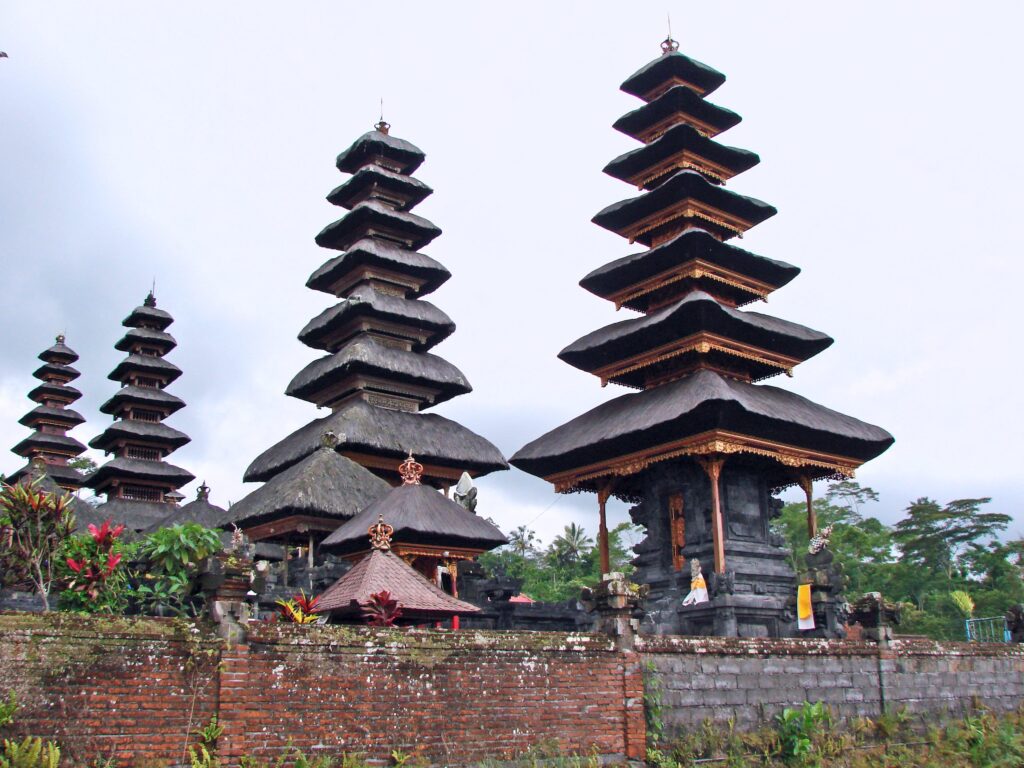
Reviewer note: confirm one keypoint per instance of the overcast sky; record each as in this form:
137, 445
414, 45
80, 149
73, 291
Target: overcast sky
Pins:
194, 143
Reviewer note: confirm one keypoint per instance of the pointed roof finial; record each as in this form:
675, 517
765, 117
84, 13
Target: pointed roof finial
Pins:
61, 337
203, 492
382, 126
669, 45
410, 470
380, 535
151, 298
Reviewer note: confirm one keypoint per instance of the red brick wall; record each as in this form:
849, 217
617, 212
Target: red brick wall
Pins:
111, 688
133, 689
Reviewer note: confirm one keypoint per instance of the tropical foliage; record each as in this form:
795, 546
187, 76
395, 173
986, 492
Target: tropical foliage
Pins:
381, 610
92, 571
299, 609
569, 563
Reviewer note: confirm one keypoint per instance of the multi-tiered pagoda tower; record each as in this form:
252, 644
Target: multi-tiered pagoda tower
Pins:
378, 374
51, 419
141, 488
700, 448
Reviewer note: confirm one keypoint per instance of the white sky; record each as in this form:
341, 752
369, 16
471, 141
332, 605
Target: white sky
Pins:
195, 143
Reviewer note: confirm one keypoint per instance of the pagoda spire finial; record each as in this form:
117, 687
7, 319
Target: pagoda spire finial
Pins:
382, 125
380, 535
151, 297
669, 44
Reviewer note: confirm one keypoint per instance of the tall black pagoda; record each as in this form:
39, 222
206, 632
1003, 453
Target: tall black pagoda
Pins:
699, 448
378, 375
52, 419
140, 486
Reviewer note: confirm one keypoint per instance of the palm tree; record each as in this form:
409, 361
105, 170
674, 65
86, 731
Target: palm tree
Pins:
572, 544
523, 541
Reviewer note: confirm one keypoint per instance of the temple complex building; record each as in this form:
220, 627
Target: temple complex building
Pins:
377, 374
140, 486
699, 448
52, 419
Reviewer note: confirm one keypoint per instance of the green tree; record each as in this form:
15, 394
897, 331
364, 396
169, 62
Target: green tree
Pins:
523, 541
571, 546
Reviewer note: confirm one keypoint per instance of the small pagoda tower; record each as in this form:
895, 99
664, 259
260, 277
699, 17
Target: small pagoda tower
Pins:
51, 419
378, 373
700, 448
429, 531
140, 486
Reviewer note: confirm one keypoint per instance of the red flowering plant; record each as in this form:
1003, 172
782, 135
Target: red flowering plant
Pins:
381, 610
93, 578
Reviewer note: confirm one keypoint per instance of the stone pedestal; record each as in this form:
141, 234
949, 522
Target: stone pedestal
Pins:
616, 603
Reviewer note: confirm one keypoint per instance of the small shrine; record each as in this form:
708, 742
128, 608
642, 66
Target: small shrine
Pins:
377, 374
429, 531
52, 419
381, 570
700, 447
140, 485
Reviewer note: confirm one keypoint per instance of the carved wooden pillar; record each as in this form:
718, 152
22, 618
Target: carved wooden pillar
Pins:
807, 485
602, 528
713, 467
677, 529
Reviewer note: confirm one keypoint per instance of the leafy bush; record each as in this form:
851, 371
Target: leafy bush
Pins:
381, 610
171, 558
798, 727
300, 609
33, 752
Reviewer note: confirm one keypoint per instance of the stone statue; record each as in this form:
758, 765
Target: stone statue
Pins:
465, 492
698, 589
1015, 623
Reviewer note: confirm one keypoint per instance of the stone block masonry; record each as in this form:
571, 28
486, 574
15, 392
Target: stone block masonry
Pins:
751, 680
134, 689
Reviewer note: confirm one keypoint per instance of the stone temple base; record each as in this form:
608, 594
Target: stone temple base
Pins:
756, 597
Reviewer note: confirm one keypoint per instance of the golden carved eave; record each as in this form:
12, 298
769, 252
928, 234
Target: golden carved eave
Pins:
705, 444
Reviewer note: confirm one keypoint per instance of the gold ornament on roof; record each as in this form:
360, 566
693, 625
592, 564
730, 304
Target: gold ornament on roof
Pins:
380, 535
410, 470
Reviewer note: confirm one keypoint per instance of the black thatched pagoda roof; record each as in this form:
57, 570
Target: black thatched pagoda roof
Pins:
423, 322
145, 364
57, 476
680, 138
364, 355
421, 515
427, 273
325, 484
66, 416
682, 185
373, 217
372, 181
148, 316
384, 571
672, 67
380, 148
47, 441
139, 432
136, 515
140, 469
151, 338
60, 353
363, 428
695, 313
56, 371
700, 402
46, 390
692, 244
148, 397
677, 103
200, 510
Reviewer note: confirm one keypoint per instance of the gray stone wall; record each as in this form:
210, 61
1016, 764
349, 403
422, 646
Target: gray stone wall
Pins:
750, 680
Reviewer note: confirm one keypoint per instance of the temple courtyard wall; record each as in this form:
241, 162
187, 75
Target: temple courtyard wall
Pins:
136, 690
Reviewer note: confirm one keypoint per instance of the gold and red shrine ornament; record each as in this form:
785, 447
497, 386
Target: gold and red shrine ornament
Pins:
380, 535
411, 471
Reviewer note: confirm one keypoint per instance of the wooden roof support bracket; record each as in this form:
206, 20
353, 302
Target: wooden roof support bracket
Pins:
713, 466
807, 486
